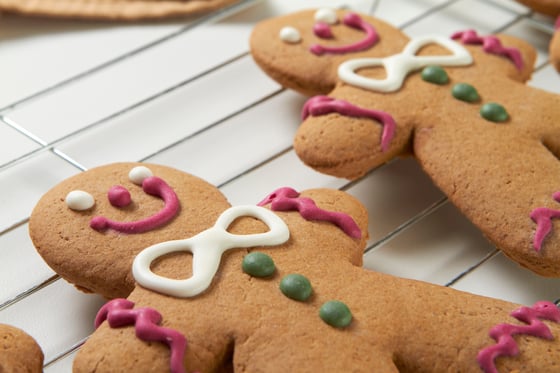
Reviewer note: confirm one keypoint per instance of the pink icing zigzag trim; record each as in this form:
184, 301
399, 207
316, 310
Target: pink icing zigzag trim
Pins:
321, 105
543, 217
287, 199
503, 333
355, 21
119, 312
153, 186
490, 44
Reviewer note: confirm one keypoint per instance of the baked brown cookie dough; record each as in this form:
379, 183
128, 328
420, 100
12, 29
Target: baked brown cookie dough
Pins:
549, 8
112, 9
99, 260
19, 352
304, 304
458, 103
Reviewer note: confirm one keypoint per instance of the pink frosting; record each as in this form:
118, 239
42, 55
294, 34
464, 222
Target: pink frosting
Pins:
322, 30
557, 23
156, 187
503, 333
321, 105
287, 199
119, 196
355, 21
490, 44
543, 217
119, 312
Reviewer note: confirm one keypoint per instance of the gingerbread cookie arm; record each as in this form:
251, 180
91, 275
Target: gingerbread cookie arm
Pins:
347, 139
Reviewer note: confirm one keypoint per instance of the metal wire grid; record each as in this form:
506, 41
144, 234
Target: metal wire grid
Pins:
538, 21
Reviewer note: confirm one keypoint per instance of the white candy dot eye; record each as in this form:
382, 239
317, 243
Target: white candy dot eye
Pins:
79, 200
139, 173
290, 35
327, 15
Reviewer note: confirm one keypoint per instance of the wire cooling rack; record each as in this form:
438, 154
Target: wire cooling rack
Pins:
186, 93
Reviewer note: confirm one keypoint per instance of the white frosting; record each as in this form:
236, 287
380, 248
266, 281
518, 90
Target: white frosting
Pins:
327, 15
79, 200
290, 34
139, 173
398, 66
207, 248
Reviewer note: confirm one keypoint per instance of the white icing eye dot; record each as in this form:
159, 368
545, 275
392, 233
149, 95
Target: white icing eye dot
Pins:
326, 15
139, 173
79, 200
290, 35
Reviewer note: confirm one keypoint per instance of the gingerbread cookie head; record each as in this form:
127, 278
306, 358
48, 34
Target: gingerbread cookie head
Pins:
459, 104
305, 304
90, 227
19, 352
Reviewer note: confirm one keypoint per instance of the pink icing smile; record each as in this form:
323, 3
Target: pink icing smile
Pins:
355, 21
287, 199
543, 217
153, 186
322, 105
490, 44
119, 312
503, 333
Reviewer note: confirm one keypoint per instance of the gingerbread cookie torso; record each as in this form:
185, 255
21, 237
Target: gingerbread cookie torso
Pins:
272, 287
458, 103
19, 352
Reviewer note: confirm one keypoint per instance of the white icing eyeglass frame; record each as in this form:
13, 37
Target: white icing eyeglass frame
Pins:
207, 248
398, 66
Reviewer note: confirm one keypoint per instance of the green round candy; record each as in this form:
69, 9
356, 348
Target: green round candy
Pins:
494, 112
296, 286
465, 92
335, 313
435, 74
258, 264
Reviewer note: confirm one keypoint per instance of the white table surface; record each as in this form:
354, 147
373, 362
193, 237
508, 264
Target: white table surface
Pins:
186, 93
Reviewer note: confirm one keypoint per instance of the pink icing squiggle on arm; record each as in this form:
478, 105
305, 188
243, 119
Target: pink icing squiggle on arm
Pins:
321, 105
287, 199
490, 44
355, 21
119, 312
156, 187
543, 217
503, 333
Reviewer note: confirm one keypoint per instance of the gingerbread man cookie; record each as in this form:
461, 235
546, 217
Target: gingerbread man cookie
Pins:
19, 352
276, 286
457, 102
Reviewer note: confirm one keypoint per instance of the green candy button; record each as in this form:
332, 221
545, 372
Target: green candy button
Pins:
258, 264
494, 112
435, 74
335, 313
296, 287
465, 92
